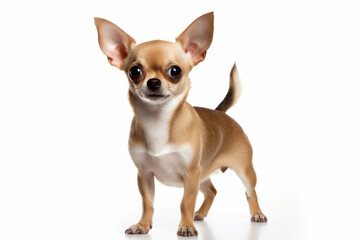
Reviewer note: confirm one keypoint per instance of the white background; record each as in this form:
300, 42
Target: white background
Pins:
65, 172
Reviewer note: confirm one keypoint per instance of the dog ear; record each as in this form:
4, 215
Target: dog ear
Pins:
197, 37
114, 42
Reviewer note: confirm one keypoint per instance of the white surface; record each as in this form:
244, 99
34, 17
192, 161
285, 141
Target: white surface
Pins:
65, 172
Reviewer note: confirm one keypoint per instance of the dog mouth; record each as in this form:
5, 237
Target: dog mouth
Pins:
155, 96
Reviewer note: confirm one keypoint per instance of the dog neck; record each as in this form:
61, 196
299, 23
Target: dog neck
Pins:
155, 121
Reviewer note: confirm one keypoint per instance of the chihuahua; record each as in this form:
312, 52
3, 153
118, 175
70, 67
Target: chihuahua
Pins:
169, 139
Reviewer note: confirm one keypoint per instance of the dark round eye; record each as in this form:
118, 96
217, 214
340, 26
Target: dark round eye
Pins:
135, 72
175, 72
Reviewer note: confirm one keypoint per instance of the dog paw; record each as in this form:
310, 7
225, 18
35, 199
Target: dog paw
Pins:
138, 229
199, 217
259, 218
187, 231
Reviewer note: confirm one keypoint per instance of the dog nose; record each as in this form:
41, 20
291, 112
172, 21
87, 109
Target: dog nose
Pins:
153, 84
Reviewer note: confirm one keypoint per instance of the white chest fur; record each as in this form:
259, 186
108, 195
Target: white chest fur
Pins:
166, 161
169, 168
155, 121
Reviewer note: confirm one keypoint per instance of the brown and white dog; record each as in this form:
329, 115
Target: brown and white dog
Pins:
169, 139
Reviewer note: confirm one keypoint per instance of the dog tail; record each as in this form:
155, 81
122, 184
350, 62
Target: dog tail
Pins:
233, 93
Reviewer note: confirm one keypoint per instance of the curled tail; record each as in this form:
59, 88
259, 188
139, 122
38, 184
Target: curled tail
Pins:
233, 93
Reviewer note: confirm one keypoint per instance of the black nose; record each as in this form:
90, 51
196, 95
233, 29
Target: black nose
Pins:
153, 84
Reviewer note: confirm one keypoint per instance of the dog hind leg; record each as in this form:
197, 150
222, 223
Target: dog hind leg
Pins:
248, 177
209, 192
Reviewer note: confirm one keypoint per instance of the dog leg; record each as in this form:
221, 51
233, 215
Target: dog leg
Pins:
191, 189
147, 188
209, 191
248, 177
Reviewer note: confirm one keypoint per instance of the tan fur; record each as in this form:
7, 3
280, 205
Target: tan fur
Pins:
216, 141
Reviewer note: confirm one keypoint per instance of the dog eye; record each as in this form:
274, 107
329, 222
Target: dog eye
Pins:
175, 72
135, 72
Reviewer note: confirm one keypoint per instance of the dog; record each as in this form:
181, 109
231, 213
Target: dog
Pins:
170, 140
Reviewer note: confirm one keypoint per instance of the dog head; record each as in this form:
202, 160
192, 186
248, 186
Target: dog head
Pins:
157, 70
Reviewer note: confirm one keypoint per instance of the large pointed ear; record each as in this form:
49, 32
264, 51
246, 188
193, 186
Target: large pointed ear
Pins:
197, 37
114, 42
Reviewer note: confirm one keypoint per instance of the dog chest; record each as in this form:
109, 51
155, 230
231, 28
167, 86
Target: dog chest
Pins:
169, 167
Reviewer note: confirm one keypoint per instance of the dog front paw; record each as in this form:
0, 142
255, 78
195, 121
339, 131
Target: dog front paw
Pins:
138, 229
187, 231
259, 218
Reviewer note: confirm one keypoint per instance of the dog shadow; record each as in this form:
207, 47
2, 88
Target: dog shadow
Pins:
204, 229
138, 237
254, 231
